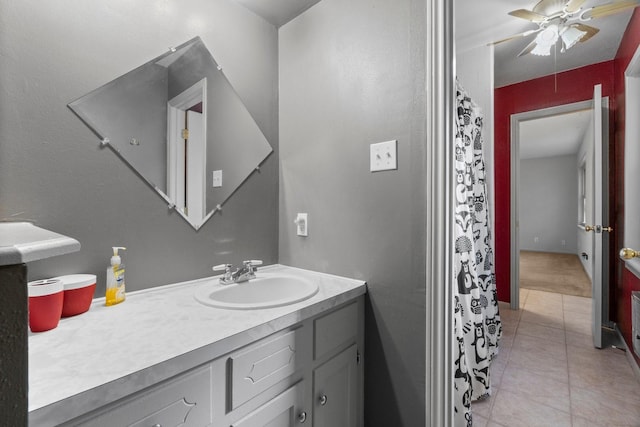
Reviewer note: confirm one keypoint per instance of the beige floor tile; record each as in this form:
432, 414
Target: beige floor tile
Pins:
544, 348
524, 294
540, 331
507, 337
553, 321
537, 363
513, 408
600, 407
579, 340
576, 304
577, 322
536, 304
497, 370
610, 361
482, 407
605, 371
549, 298
537, 388
479, 421
583, 422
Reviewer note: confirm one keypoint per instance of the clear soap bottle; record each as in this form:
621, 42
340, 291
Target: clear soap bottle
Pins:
115, 279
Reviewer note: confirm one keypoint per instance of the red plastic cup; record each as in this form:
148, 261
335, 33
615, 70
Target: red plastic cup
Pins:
45, 304
78, 293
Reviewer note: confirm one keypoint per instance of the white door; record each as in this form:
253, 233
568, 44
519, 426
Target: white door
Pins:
600, 258
195, 171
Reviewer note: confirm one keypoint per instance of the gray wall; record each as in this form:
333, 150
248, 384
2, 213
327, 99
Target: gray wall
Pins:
548, 204
351, 74
53, 171
474, 70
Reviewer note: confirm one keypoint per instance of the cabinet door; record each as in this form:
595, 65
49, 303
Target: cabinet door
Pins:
285, 410
335, 388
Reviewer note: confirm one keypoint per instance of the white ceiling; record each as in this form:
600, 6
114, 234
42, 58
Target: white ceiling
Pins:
559, 135
278, 12
478, 23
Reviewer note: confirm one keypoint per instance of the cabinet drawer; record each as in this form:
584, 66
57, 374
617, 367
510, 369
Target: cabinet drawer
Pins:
283, 410
183, 401
335, 330
261, 365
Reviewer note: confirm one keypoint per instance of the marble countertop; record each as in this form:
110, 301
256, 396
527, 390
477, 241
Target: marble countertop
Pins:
109, 352
22, 242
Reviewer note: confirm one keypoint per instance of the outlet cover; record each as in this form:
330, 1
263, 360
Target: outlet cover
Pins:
302, 224
217, 178
383, 156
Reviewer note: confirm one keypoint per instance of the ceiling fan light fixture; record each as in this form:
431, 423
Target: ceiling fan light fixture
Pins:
544, 40
571, 36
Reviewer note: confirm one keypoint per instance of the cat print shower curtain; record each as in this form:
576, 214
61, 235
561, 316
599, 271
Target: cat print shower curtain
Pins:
476, 317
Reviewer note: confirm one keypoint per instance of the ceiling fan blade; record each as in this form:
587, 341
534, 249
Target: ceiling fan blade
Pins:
528, 15
609, 9
591, 31
574, 5
516, 36
528, 49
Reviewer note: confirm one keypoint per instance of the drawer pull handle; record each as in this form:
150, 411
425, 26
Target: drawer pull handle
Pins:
157, 425
302, 417
323, 399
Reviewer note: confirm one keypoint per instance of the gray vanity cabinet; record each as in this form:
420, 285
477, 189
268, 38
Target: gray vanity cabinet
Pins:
308, 374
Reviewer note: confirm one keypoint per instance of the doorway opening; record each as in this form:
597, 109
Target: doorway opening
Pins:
187, 152
583, 224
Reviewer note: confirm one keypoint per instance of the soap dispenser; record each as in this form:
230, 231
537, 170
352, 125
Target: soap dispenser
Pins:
115, 279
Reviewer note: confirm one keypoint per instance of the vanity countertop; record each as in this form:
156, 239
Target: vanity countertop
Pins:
110, 352
22, 242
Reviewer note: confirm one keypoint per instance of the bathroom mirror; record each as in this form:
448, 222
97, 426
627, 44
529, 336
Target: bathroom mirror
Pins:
178, 122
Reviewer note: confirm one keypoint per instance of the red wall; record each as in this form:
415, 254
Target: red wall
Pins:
625, 281
572, 86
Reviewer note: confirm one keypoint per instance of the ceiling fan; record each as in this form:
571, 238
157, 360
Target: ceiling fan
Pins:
562, 20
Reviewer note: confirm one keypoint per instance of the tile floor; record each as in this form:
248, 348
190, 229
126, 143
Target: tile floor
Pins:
549, 374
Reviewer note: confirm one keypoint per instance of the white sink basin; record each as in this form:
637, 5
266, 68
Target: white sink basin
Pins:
265, 291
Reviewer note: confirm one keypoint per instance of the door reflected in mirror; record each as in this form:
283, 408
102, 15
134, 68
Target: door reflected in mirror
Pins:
178, 122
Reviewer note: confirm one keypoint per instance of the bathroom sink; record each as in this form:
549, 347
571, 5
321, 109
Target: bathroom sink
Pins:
265, 291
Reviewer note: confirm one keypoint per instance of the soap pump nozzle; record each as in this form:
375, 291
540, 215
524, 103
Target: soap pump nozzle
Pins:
115, 259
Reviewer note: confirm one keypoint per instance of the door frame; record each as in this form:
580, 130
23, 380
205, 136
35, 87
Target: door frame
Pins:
516, 119
631, 232
176, 108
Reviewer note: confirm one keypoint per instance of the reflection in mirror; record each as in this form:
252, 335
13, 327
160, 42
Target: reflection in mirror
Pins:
178, 122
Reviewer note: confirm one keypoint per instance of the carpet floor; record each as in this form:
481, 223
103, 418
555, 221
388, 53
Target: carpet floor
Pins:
554, 272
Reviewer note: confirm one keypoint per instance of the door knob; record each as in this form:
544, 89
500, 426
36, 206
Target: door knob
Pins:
323, 399
588, 228
302, 417
608, 229
628, 253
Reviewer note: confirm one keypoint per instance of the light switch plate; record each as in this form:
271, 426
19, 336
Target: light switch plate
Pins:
383, 156
217, 178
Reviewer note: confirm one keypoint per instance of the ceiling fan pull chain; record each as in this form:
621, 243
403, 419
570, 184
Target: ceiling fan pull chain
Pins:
555, 67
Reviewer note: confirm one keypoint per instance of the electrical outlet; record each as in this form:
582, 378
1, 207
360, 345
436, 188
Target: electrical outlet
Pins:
302, 224
217, 178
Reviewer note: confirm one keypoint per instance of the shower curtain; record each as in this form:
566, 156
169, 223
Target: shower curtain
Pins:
476, 317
